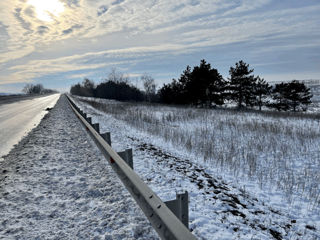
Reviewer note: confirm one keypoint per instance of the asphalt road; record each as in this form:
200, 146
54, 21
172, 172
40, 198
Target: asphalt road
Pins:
6, 99
19, 118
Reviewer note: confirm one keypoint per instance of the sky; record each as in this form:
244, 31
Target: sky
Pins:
60, 42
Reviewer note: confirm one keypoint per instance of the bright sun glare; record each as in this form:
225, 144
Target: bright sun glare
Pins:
46, 10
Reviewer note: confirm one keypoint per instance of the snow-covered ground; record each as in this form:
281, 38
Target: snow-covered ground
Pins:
225, 204
55, 184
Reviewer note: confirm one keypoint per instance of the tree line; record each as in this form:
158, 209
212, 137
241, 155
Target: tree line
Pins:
204, 86
36, 89
116, 86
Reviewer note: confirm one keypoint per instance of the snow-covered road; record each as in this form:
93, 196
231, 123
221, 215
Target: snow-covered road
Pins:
55, 184
18, 118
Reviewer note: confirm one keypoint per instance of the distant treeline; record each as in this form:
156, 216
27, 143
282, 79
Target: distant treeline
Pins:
36, 89
204, 86
116, 86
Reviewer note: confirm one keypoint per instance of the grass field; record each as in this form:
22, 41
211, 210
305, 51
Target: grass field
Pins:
280, 150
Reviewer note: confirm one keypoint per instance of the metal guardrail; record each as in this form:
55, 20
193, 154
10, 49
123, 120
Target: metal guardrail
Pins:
163, 220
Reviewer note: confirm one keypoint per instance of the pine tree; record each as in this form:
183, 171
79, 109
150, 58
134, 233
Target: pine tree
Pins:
262, 90
180, 87
76, 89
205, 85
172, 93
279, 96
87, 88
241, 84
298, 94
291, 95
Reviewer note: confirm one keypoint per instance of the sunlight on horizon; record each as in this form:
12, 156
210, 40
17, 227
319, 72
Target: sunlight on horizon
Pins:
47, 10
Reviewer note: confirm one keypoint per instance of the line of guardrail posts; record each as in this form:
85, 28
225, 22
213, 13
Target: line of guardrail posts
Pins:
127, 156
180, 207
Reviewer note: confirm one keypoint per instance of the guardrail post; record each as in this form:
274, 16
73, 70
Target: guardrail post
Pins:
107, 137
96, 127
127, 156
180, 207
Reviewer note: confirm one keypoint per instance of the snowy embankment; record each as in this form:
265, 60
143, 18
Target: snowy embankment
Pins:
55, 184
222, 205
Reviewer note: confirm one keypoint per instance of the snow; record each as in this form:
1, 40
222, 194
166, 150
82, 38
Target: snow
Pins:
222, 205
55, 184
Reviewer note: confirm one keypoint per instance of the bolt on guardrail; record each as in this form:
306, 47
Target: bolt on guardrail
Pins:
169, 219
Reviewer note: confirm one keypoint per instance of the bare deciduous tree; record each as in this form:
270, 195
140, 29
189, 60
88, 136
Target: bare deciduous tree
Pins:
33, 89
116, 76
149, 86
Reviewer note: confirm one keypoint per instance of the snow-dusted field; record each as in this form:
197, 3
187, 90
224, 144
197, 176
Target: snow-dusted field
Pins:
55, 184
249, 176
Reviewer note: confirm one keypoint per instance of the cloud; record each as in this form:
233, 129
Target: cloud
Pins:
194, 2
72, 3
102, 10
92, 34
196, 20
42, 30
40, 68
83, 62
14, 52
80, 75
294, 75
117, 2
72, 28
18, 14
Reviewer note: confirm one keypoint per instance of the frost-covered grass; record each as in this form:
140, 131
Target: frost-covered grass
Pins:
279, 150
